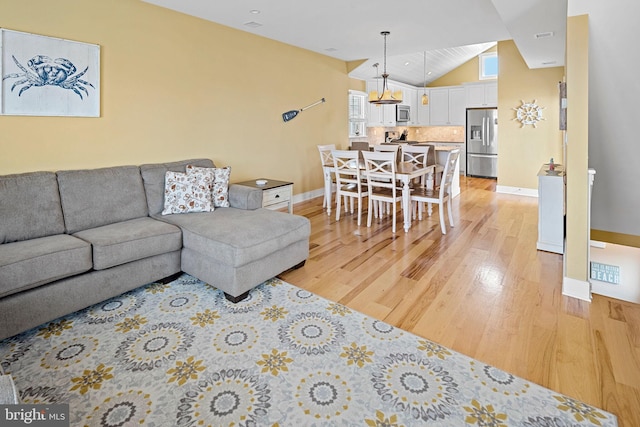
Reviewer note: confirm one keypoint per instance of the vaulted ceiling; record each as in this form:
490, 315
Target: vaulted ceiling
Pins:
450, 31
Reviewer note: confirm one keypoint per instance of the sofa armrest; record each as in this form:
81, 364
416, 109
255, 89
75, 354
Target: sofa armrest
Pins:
243, 197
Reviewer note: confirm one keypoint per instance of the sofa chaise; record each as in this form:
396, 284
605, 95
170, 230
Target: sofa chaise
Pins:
74, 238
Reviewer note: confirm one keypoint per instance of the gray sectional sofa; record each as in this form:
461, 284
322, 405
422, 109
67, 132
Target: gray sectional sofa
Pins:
74, 238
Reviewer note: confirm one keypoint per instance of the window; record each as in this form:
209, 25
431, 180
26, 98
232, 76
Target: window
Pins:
357, 114
488, 66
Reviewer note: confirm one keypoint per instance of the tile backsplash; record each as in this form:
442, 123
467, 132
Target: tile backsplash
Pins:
375, 135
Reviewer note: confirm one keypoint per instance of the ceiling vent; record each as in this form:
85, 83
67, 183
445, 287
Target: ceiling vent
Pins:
544, 35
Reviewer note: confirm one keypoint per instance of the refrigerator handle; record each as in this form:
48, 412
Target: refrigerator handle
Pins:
488, 138
484, 130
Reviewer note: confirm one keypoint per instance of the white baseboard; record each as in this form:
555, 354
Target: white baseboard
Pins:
518, 191
576, 288
303, 197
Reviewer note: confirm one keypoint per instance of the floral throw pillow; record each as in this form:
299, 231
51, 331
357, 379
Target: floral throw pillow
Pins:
219, 182
184, 193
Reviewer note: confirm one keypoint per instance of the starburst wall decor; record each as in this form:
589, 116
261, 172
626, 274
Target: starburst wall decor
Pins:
529, 113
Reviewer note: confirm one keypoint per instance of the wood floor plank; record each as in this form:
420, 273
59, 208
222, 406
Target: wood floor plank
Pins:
483, 290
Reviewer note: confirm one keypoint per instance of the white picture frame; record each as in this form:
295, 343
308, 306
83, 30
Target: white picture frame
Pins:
48, 76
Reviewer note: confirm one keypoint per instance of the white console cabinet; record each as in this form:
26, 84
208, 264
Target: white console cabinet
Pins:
551, 209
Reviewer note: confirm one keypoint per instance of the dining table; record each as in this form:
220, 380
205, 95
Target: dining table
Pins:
405, 173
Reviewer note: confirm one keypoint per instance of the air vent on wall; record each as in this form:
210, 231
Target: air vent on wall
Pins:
544, 35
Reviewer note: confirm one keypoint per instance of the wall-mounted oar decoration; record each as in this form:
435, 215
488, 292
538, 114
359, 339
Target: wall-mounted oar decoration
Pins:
289, 115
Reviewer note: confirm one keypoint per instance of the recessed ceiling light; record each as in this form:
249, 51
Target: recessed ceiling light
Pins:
252, 24
549, 62
407, 63
255, 11
331, 49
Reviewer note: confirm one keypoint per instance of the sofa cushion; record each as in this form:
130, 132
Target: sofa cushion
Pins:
184, 193
29, 206
31, 263
218, 181
153, 176
127, 241
95, 197
236, 237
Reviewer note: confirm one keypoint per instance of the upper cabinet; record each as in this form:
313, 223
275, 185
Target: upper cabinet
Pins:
409, 98
481, 95
447, 106
385, 115
422, 111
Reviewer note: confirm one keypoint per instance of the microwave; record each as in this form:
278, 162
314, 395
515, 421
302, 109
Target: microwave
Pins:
403, 113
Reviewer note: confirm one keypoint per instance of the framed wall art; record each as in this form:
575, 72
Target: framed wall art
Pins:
47, 76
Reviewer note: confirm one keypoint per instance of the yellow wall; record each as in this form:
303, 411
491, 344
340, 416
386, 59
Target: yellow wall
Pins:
467, 72
176, 87
523, 150
577, 65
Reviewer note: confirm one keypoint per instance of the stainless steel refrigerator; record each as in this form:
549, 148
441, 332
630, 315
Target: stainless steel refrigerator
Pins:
482, 142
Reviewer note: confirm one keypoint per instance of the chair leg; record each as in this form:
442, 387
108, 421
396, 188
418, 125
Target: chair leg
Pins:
370, 208
450, 213
441, 210
393, 216
359, 210
338, 198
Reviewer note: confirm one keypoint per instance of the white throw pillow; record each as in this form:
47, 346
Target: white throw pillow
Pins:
219, 182
184, 193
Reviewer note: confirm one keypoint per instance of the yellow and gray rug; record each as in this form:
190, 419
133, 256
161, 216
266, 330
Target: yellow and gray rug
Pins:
181, 355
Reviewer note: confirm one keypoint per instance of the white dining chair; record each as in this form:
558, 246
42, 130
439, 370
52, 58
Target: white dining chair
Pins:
348, 179
440, 194
418, 155
327, 159
380, 172
388, 147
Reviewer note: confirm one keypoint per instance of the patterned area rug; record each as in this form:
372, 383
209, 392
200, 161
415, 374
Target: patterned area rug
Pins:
181, 354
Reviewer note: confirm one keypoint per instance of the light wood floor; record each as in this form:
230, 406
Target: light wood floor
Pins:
483, 290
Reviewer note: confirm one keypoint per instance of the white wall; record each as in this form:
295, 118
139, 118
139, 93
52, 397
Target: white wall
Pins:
614, 123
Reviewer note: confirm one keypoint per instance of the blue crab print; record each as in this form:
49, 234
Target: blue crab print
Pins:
44, 71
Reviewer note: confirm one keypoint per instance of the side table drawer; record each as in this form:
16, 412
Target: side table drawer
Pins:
276, 195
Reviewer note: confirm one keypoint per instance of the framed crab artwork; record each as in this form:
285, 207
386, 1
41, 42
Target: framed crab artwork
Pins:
47, 76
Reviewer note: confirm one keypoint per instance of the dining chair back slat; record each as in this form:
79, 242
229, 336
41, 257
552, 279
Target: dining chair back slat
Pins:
380, 173
441, 194
348, 179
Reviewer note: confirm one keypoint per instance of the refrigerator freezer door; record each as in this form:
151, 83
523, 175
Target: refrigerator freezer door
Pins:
491, 134
476, 128
484, 165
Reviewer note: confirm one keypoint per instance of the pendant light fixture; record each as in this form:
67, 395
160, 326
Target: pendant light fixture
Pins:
425, 97
386, 97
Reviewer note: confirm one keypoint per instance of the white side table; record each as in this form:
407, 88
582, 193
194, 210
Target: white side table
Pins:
551, 209
275, 194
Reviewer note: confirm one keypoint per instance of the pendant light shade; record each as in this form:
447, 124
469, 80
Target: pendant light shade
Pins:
385, 97
425, 97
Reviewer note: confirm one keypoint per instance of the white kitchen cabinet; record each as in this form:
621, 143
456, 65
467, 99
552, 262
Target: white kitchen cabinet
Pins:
457, 110
385, 115
409, 98
422, 113
380, 115
447, 106
551, 188
481, 95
